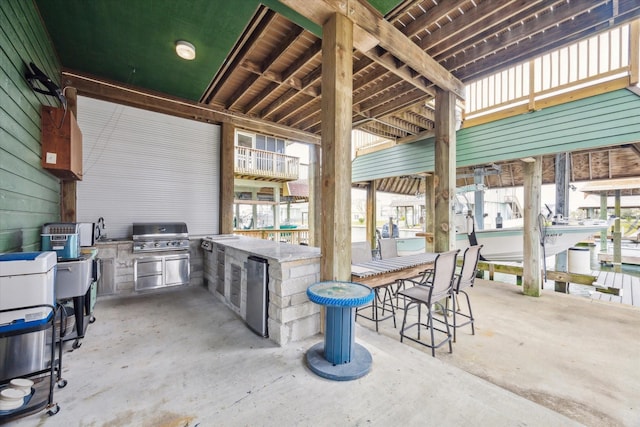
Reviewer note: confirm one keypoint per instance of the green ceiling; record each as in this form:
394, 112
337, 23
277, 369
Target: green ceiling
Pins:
132, 41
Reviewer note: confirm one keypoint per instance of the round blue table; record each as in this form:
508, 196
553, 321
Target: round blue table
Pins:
339, 357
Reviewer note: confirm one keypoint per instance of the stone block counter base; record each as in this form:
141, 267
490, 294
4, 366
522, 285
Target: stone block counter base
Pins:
292, 269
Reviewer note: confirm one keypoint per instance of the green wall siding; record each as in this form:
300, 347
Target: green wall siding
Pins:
29, 196
600, 121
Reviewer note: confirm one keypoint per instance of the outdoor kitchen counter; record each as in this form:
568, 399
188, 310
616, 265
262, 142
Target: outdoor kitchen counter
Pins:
117, 260
291, 270
276, 251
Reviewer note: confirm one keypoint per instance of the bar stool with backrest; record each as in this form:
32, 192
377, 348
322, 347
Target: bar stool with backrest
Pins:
360, 252
463, 281
382, 304
388, 248
437, 287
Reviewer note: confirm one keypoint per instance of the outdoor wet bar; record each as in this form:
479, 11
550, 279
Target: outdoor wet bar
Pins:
265, 282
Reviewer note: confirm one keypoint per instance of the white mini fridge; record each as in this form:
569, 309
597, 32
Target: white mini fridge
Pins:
257, 295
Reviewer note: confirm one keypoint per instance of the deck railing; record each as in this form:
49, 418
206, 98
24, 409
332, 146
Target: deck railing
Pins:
267, 164
600, 59
295, 236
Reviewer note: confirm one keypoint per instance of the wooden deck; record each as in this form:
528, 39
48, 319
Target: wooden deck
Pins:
614, 287
629, 287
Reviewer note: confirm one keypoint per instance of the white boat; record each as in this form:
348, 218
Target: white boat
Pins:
506, 244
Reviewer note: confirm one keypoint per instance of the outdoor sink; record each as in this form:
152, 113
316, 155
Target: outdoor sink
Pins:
73, 278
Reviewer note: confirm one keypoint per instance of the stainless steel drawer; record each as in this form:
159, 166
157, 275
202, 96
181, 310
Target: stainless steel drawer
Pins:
148, 266
160, 271
148, 282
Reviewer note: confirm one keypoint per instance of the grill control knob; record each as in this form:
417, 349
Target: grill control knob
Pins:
156, 244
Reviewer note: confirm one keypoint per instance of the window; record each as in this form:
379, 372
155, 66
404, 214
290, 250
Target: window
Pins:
244, 140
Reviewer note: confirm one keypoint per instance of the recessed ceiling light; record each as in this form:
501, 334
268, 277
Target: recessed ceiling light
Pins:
185, 50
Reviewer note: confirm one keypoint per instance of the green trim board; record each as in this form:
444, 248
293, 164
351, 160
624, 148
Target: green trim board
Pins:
604, 120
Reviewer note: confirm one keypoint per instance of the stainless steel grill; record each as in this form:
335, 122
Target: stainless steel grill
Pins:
160, 237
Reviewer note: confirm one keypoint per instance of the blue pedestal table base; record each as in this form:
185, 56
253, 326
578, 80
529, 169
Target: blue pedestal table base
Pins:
339, 357
359, 366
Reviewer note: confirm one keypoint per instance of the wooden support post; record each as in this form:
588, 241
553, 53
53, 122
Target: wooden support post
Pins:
532, 282
478, 197
634, 52
445, 170
562, 208
315, 192
532, 85
69, 189
254, 208
276, 207
429, 211
603, 215
371, 213
227, 162
337, 86
617, 237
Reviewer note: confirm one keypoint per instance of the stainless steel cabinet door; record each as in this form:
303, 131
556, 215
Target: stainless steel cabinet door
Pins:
176, 270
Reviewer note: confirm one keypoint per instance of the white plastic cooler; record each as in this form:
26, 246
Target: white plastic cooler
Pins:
26, 278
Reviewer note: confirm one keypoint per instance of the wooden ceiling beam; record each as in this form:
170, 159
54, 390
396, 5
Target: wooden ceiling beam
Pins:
478, 17
398, 104
384, 33
381, 128
261, 97
391, 94
241, 90
258, 25
435, 14
287, 77
281, 48
293, 107
306, 121
284, 100
279, 103
368, 78
309, 54
635, 148
274, 77
519, 34
103, 89
415, 119
486, 28
549, 31
388, 61
417, 110
365, 95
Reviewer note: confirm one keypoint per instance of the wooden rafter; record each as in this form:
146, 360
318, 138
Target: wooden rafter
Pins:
260, 22
386, 35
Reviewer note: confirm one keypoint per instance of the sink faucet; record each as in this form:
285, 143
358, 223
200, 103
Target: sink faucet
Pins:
100, 233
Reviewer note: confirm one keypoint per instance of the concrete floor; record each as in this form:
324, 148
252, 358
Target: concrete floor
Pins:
180, 358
